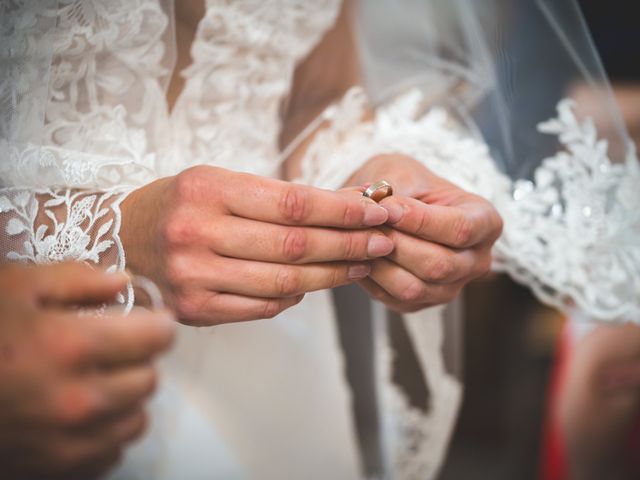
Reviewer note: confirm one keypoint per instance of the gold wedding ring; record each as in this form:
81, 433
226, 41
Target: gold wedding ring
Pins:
379, 191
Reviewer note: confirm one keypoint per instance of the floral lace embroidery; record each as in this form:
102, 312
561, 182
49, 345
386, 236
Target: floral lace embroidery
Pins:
229, 111
571, 235
76, 64
81, 226
244, 56
418, 440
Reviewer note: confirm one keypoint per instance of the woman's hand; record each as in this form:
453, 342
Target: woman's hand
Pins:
228, 247
72, 388
442, 236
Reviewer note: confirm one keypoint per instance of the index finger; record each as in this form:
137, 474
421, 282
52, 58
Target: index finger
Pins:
138, 337
286, 203
452, 226
75, 282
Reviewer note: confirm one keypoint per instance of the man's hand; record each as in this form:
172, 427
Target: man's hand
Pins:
442, 236
227, 247
72, 387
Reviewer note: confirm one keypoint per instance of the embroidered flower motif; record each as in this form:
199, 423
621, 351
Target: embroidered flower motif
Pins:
571, 234
84, 235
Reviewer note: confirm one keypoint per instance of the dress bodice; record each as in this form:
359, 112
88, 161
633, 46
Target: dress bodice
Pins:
112, 60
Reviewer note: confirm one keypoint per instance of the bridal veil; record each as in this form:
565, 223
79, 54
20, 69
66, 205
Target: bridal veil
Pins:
488, 94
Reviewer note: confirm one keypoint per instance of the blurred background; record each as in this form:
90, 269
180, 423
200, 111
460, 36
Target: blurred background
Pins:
510, 340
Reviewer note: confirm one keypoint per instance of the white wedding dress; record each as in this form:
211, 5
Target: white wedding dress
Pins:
84, 121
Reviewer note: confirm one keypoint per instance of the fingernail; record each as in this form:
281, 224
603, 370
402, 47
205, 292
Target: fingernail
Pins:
374, 214
379, 246
357, 272
395, 212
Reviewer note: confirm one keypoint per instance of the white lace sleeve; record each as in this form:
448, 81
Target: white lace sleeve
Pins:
81, 110
49, 225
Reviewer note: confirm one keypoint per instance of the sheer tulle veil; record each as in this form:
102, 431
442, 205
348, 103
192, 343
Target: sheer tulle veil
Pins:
506, 98
524, 76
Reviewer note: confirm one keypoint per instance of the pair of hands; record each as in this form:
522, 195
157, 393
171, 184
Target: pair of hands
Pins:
72, 387
226, 247
442, 235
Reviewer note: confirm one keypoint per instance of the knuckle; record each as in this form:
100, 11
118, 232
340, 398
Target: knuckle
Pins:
67, 348
179, 229
338, 276
294, 204
441, 269
177, 271
352, 214
412, 293
197, 308
271, 308
483, 266
76, 406
189, 182
355, 245
422, 222
287, 282
294, 245
463, 231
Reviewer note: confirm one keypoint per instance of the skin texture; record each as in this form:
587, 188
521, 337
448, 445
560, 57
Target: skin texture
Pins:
228, 247
72, 388
442, 236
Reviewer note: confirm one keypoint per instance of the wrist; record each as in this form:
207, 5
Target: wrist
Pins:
138, 229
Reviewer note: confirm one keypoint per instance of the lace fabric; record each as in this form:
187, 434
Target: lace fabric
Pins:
570, 234
244, 56
563, 236
84, 120
70, 150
